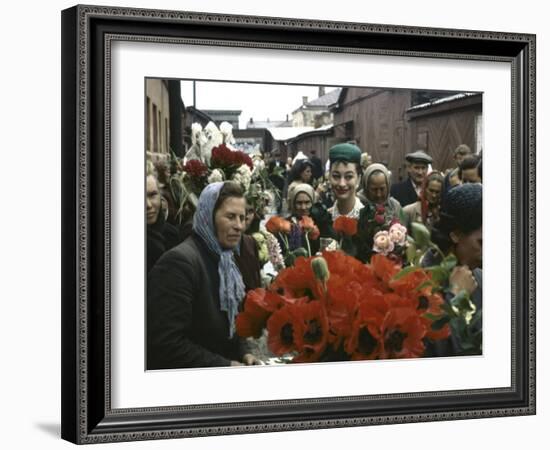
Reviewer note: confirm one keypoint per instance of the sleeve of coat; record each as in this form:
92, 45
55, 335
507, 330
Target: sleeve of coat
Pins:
169, 316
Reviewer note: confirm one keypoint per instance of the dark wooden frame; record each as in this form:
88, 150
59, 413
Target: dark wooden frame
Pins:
87, 32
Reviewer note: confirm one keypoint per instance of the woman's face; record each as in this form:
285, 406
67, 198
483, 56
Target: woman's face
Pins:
433, 192
468, 247
249, 215
229, 222
153, 200
302, 205
344, 180
306, 174
377, 188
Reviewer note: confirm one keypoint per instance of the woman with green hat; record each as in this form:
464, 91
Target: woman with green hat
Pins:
344, 178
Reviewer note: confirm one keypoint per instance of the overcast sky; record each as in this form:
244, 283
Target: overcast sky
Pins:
259, 101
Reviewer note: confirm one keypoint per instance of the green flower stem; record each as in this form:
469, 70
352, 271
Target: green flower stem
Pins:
307, 243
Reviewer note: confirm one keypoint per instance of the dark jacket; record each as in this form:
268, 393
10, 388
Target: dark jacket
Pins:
185, 326
404, 192
248, 263
161, 236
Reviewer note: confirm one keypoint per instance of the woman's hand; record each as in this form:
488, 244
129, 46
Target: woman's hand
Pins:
462, 279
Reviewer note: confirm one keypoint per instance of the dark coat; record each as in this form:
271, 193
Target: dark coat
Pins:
249, 263
185, 326
161, 236
404, 192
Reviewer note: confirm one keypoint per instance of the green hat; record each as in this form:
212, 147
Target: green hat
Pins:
345, 152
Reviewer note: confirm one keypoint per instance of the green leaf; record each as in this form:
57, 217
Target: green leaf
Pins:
405, 271
439, 274
421, 234
449, 263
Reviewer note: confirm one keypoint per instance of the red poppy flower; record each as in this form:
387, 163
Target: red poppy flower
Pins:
294, 281
247, 325
402, 334
313, 329
261, 303
411, 281
306, 223
436, 334
314, 233
277, 224
284, 328
345, 225
365, 341
384, 268
380, 209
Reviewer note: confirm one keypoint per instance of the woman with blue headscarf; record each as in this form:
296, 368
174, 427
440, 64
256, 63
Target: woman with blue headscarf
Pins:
194, 290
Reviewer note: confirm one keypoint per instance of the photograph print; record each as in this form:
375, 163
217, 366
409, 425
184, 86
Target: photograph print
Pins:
304, 224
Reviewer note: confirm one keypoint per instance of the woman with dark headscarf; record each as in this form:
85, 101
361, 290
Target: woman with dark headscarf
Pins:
194, 290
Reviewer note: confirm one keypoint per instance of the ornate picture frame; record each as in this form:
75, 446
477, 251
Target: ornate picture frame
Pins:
88, 35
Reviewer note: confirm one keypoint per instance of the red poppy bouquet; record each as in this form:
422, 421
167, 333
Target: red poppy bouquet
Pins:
334, 307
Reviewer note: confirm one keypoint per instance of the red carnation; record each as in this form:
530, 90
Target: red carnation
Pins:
195, 168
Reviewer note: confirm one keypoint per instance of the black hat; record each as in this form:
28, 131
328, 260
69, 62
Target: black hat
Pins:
418, 156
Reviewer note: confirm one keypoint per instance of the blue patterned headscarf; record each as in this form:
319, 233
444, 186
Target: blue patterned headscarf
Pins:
231, 281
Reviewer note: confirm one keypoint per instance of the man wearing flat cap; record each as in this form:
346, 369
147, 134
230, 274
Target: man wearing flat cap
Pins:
408, 191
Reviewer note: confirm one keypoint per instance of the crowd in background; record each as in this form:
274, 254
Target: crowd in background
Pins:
202, 258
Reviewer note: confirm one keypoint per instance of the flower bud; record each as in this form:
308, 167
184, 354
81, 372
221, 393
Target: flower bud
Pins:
320, 268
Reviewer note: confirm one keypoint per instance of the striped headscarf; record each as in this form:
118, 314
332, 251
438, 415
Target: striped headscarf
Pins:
231, 281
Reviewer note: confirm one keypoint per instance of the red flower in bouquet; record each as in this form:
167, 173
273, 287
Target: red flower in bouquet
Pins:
306, 223
223, 157
196, 168
411, 281
384, 268
345, 225
284, 329
314, 233
402, 334
277, 224
365, 341
313, 331
259, 304
296, 280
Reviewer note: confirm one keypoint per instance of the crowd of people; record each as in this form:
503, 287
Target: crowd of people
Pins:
200, 268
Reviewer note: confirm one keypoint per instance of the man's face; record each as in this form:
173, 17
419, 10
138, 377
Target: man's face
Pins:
153, 200
229, 221
418, 171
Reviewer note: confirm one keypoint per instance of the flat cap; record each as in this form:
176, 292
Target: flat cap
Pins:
418, 157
